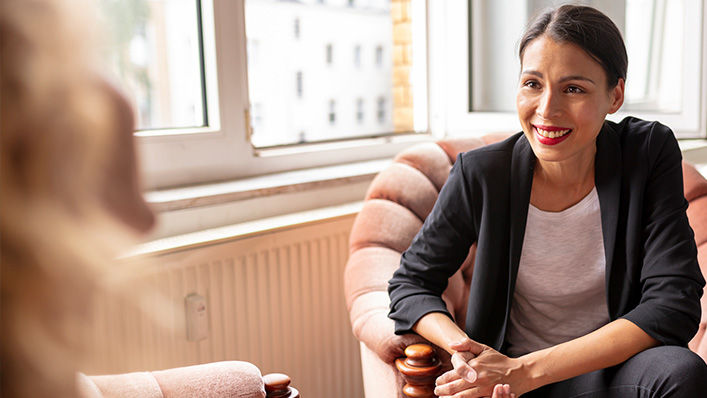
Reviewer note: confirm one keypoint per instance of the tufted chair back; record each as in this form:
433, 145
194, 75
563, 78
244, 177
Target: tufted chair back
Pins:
396, 204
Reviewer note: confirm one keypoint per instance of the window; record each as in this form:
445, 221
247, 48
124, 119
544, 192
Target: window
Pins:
297, 28
662, 74
329, 54
155, 51
379, 55
381, 110
340, 74
359, 110
351, 3
332, 112
299, 84
234, 63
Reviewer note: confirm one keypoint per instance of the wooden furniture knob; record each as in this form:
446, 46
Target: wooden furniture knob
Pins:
419, 368
277, 385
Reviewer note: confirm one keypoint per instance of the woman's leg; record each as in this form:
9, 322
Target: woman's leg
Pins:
665, 371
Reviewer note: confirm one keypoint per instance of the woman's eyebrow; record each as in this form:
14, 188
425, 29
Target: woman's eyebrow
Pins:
532, 72
562, 80
577, 77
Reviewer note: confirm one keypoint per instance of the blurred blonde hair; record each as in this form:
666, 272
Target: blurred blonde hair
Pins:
66, 188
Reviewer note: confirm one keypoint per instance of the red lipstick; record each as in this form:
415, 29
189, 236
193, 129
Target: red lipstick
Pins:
547, 140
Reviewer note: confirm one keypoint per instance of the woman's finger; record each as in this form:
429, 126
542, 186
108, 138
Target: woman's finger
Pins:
498, 391
447, 377
467, 345
452, 387
460, 361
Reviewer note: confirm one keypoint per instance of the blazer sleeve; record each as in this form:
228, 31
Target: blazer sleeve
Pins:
671, 281
435, 254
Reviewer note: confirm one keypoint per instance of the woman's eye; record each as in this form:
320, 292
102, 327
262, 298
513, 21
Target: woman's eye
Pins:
574, 90
531, 84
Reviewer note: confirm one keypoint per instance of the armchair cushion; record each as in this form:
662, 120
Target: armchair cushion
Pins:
211, 380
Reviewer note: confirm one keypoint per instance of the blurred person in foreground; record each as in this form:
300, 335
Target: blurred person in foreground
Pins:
70, 194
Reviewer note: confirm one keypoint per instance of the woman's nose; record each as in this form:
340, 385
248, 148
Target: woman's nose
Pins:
548, 105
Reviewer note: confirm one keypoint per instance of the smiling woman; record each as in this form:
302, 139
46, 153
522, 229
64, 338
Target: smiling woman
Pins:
585, 275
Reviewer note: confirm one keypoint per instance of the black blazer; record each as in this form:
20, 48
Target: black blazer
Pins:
652, 275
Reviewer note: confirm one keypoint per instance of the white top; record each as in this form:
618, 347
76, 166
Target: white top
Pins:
560, 291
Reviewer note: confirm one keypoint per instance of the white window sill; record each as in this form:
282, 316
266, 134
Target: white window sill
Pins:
242, 230
204, 214
695, 152
204, 207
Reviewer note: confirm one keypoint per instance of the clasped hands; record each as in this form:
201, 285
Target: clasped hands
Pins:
481, 371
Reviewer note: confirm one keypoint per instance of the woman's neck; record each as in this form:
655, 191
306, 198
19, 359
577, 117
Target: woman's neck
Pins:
559, 185
574, 172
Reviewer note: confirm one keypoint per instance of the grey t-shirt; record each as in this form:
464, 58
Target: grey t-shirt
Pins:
560, 291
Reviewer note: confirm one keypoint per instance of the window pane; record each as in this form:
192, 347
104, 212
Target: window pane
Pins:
154, 49
653, 32
349, 59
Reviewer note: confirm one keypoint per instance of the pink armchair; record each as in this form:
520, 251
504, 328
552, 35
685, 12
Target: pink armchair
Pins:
211, 380
396, 204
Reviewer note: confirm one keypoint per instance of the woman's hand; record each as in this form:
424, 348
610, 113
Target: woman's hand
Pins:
478, 370
502, 391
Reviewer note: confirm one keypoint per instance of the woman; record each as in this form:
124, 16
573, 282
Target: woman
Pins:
585, 279
70, 197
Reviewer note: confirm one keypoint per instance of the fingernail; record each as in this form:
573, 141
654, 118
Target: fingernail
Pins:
471, 376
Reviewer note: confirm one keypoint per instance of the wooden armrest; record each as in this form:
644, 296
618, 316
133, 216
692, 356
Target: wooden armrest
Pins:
277, 385
419, 369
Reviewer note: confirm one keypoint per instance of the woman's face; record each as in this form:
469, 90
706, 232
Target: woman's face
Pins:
563, 99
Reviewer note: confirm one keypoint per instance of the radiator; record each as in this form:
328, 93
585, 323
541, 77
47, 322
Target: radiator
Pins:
274, 299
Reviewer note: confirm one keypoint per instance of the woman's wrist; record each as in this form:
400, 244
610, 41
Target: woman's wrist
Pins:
532, 370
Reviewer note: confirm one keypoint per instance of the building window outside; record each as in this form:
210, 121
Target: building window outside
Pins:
297, 28
359, 110
381, 110
379, 55
332, 112
357, 56
329, 54
351, 3
299, 84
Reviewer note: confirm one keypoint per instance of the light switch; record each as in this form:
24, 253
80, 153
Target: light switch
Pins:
197, 317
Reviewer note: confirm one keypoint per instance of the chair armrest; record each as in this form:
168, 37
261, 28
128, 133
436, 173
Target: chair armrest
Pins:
216, 379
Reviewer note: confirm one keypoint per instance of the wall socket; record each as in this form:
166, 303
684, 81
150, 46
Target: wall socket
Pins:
197, 317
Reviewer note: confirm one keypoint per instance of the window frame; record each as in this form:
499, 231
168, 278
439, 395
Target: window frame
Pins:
222, 150
450, 98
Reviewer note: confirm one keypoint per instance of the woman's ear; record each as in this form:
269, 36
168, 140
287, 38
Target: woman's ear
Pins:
617, 96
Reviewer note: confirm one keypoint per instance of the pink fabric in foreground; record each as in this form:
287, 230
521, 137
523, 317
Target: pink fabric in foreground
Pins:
218, 379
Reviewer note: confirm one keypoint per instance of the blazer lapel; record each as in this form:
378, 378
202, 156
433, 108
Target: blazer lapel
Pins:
607, 178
